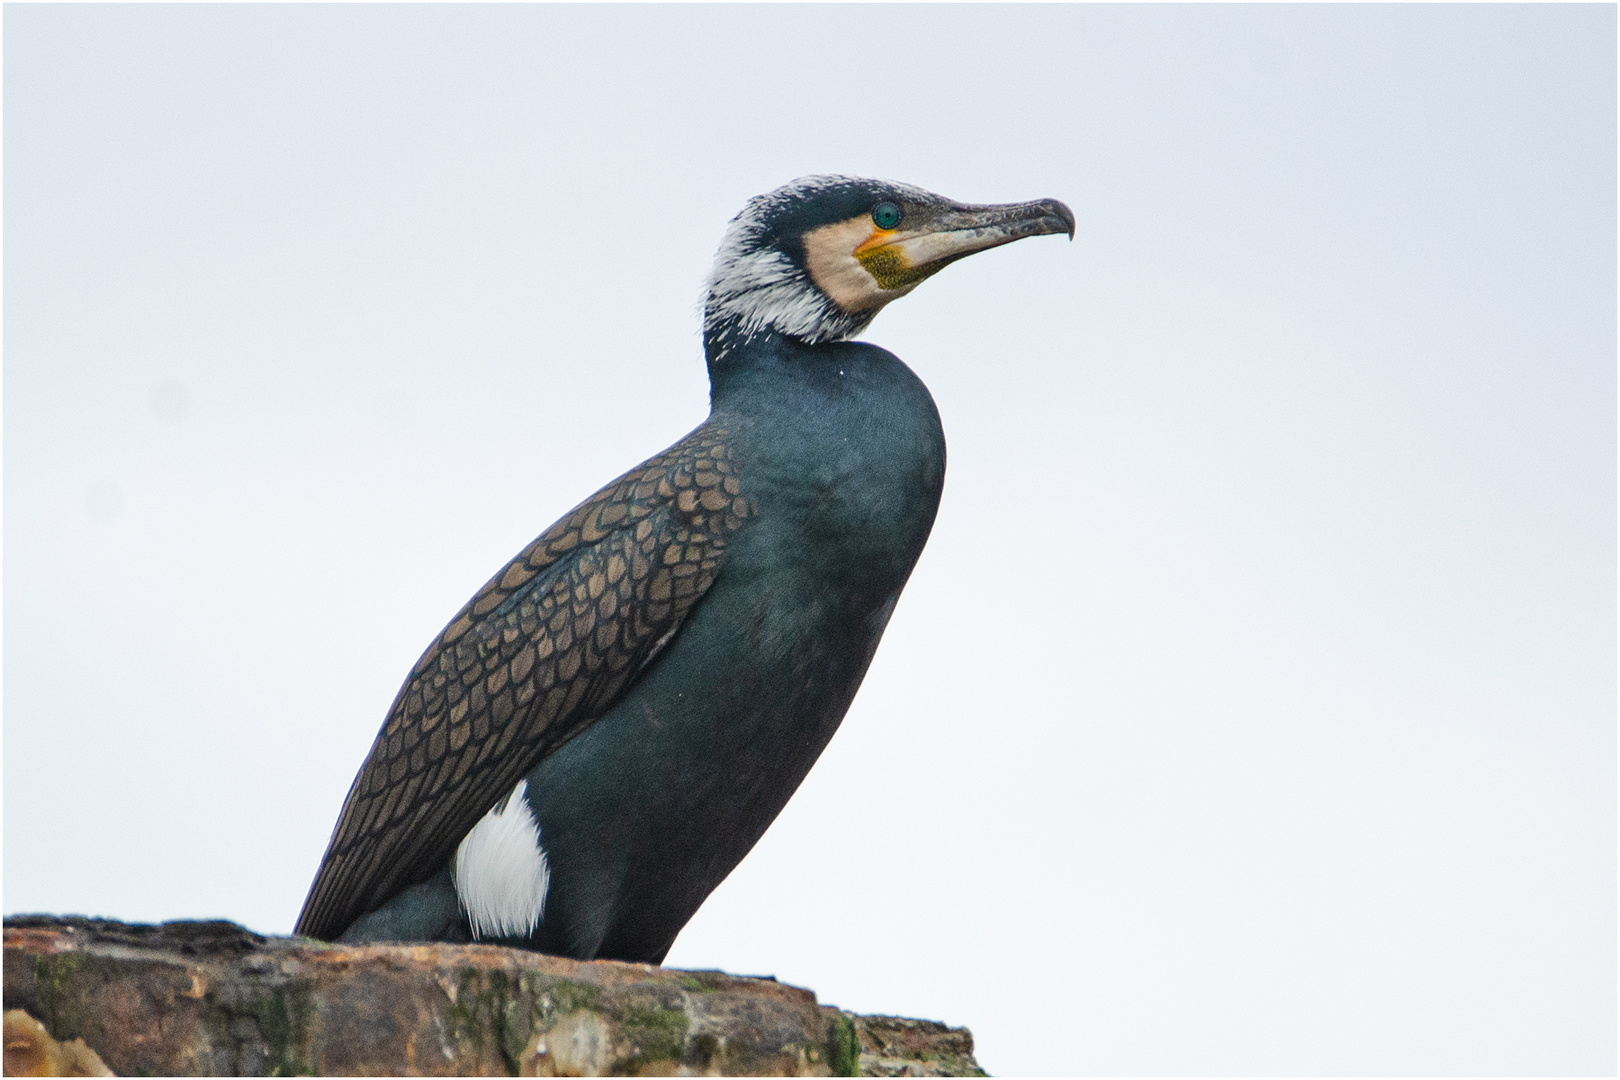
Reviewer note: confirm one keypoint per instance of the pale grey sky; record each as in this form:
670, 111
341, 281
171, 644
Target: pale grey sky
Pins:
1253, 706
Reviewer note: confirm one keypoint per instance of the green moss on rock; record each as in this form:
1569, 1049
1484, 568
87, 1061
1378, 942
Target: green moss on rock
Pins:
846, 1046
283, 1017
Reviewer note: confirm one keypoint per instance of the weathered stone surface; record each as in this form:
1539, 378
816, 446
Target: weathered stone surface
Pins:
896, 1046
210, 998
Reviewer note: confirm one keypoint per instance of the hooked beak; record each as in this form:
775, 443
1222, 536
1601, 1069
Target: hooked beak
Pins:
897, 258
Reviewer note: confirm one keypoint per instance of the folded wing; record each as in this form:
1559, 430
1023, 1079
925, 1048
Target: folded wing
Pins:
543, 650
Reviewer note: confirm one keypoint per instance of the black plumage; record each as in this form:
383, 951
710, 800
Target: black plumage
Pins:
664, 665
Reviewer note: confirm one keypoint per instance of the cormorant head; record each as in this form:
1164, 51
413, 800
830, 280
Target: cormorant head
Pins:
818, 258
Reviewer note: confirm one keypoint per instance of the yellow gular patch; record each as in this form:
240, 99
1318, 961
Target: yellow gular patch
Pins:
853, 263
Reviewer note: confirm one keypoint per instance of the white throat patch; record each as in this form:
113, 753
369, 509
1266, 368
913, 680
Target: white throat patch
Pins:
829, 253
501, 873
760, 289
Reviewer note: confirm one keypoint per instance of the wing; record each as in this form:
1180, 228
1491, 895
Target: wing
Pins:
541, 652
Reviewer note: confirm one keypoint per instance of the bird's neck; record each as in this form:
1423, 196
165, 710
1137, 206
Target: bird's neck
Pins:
732, 351
768, 365
778, 375
790, 309
725, 339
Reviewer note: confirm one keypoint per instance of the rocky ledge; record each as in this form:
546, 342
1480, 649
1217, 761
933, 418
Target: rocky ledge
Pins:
211, 998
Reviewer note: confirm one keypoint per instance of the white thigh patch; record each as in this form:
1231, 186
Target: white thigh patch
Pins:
501, 873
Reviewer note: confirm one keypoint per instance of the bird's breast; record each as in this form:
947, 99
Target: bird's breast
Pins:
844, 462
843, 465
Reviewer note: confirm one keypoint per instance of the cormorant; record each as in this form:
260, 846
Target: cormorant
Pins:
609, 725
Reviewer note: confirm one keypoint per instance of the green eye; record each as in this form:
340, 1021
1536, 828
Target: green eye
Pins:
886, 215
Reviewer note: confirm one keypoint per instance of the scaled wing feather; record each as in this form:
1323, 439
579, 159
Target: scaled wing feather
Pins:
543, 650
